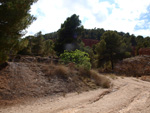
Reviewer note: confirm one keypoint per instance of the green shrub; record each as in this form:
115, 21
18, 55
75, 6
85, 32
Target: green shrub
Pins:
80, 58
3, 57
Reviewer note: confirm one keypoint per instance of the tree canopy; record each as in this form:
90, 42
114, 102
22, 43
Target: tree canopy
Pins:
68, 33
38, 46
14, 19
110, 48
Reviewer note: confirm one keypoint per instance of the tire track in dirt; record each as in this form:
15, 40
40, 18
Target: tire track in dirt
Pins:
138, 103
79, 107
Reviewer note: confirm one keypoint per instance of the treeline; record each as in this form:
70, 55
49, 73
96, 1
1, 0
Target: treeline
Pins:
96, 34
50, 35
37, 45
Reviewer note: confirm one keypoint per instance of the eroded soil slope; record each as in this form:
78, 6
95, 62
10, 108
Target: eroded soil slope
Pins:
20, 80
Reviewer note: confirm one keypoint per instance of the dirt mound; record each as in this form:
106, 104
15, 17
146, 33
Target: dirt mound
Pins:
135, 66
20, 79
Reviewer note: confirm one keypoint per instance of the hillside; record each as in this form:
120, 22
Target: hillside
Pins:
33, 85
34, 78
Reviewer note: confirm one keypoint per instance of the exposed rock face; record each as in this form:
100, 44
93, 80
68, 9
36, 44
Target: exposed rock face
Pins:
135, 66
144, 51
89, 42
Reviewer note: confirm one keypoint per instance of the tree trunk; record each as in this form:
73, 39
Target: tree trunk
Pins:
112, 62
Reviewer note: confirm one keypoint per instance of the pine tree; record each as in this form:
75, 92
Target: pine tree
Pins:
14, 19
68, 33
108, 48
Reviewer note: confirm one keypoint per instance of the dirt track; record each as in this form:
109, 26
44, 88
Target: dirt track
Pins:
129, 95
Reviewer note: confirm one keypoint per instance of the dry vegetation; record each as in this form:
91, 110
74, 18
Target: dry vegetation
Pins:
27, 79
145, 78
61, 70
100, 80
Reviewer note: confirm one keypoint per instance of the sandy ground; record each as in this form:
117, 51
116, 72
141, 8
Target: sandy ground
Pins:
128, 95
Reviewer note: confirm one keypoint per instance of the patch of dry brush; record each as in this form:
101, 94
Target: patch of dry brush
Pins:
100, 80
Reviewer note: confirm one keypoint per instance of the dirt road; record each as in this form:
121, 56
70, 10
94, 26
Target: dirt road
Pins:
128, 95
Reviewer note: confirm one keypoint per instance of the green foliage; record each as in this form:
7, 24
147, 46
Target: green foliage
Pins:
130, 41
14, 18
3, 56
91, 55
133, 41
20, 45
48, 47
68, 33
111, 48
52, 35
78, 57
100, 50
38, 44
92, 33
28, 49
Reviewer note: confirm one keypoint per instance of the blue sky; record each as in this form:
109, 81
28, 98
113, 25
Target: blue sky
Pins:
131, 16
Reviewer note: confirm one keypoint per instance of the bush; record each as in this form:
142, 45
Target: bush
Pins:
100, 79
80, 58
55, 70
3, 57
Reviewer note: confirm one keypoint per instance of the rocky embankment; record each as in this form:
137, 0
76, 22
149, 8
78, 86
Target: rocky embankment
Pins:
135, 66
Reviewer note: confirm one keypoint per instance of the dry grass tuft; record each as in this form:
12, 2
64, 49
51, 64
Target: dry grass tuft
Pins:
56, 70
84, 72
145, 78
47, 69
71, 65
100, 79
61, 70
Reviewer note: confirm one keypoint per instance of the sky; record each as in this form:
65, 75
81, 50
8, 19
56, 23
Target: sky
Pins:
131, 16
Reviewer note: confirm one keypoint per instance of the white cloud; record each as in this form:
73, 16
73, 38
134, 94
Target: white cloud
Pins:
141, 32
124, 14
